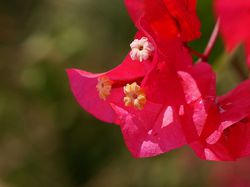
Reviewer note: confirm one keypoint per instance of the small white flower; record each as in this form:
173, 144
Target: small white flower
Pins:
134, 96
141, 49
104, 87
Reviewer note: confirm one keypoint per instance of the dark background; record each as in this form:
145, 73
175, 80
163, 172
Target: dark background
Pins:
46, 139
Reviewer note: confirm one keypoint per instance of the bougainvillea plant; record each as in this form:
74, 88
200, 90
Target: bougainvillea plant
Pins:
159, 97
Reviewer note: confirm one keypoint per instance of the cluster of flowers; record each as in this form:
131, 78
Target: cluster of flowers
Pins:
160, 99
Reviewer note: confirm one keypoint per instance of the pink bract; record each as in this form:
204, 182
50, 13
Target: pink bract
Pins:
158, 129
83, 85
225, 135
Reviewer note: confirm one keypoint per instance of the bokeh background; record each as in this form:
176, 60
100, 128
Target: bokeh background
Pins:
47, 140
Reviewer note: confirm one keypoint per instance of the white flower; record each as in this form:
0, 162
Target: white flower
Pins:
141, 49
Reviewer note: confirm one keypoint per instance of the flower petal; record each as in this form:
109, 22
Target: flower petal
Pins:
199, 89
135, 9
167, 18
146, 133
235, 105
234, 17
83, 85
237, 139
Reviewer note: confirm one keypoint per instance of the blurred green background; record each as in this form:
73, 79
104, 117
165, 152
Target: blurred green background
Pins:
46, 139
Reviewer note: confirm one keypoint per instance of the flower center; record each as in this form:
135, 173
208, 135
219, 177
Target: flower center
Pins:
104, 87
141, 49
134, 96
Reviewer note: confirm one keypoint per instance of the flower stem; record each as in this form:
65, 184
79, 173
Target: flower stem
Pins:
211, 42
194, 52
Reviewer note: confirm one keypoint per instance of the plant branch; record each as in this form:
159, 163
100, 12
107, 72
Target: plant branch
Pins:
211, 42
194, 52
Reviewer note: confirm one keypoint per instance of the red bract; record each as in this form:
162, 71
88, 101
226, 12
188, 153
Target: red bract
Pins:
235, 22
225, 133
166, 18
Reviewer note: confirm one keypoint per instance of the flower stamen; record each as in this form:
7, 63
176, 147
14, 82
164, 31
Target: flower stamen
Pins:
104, 87
134, 96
